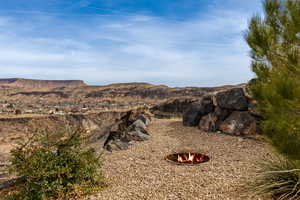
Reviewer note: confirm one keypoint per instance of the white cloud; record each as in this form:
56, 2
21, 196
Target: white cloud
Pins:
205, 51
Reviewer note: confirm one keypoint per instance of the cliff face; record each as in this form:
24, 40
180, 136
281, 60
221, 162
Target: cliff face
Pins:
37, 84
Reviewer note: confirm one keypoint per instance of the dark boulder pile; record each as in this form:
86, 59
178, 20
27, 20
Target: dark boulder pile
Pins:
196, 110
230, 111
172, 108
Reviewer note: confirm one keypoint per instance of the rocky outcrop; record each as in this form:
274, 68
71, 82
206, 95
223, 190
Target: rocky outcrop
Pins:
233, 99
132, 127
196, 110
239, 123
230, 111
172, 108
179, 103
211, 121
144, 90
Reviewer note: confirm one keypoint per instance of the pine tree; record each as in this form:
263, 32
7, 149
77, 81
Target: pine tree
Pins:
275, 51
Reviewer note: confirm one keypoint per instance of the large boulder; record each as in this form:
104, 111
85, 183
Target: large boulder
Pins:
146, 120
98, 134
233, 99
118, 144
175, 106
240, 123
137, 131
138, 135
137, 125
131, 127
196, 110
212, 121
209, 122
172, 108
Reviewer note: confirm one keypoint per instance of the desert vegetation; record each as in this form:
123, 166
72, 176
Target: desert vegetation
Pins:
53, 165
275, 44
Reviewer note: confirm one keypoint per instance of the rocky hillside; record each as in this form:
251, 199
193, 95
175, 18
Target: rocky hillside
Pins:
145, 90
38, 84
34, 98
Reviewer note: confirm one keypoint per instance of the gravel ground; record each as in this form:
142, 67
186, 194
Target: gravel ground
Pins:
142, 173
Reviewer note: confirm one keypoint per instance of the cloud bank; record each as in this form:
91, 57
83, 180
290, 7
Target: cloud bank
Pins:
205, 50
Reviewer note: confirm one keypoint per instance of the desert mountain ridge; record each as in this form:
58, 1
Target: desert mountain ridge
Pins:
23, 83
77, 90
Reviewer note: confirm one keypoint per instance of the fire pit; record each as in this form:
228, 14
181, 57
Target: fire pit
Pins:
188, 158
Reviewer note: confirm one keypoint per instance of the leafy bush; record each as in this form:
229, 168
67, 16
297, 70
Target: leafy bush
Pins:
55, 166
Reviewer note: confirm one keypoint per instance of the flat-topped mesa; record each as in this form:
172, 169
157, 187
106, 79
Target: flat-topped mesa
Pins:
36, 84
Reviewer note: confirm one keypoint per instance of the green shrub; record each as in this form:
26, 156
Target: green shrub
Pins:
278, 177
55, 168
275, 44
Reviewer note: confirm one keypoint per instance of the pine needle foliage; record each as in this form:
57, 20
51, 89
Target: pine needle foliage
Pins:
55, 166
275, 43
275, 50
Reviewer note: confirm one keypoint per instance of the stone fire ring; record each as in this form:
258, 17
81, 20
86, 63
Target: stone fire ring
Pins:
200, 158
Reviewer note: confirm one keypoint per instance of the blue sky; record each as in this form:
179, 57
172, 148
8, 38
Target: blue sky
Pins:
171, 42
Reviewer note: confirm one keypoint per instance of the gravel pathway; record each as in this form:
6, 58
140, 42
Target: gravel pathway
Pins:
141, 172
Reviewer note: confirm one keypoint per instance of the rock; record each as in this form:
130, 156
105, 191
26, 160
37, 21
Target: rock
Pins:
97, 135
139, 135
233, 99
144, 119
132, 116
137, 125
131, 127
177, 106
89, 125
209, 123
98, 139
240, 123
118, 144
222, 113
197, 110
137, 131
212, 121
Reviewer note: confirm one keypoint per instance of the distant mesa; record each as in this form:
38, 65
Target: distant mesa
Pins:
37, 84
